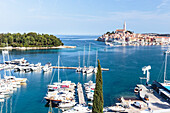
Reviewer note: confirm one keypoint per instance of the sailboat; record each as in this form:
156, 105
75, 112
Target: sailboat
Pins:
50, 110
11, 78
95, 69
52, 95
90, 68
59, 92
163, 88
84, 70
79, 69
166, 82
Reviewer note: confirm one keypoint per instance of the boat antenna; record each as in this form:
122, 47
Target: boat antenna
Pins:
165, 67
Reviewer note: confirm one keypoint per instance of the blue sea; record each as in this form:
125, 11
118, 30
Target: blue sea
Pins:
124, 63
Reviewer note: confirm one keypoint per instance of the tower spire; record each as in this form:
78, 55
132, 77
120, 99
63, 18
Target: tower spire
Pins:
124, 26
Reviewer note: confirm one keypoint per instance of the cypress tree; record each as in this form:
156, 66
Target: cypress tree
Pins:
98, 92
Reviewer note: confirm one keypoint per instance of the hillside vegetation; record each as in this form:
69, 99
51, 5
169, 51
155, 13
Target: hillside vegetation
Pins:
29, 40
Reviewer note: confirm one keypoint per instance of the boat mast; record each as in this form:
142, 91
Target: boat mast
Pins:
79, 59
50, 110
84, 57
96, 57
88, 63
165, 67
8, 52
58, 67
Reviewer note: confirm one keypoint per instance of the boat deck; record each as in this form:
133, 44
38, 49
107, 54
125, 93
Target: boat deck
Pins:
80, 94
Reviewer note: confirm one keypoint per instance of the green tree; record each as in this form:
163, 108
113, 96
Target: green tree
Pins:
29, 40
98, 92
10, 40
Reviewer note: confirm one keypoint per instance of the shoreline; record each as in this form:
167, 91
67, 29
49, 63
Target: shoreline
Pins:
35, 48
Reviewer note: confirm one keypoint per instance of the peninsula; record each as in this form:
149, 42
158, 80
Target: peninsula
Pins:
123, 37
30, 39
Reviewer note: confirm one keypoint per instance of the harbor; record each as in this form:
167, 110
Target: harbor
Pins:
85, 56
124, 76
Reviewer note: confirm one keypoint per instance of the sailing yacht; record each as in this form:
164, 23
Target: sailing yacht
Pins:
61, 92
11, 78
95, 69
84, 70
90, 68
79, 69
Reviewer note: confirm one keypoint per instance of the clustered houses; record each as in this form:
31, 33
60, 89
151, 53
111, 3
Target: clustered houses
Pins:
130, 38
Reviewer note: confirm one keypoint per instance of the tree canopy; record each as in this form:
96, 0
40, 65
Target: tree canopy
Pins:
98, 92
30, 39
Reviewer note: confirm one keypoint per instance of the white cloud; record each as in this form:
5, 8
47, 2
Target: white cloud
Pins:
163, 4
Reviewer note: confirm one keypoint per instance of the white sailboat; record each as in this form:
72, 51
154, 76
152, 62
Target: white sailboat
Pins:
59, 92
79, 69
90, 68
166, 82
84, 70
95, 69
11, 78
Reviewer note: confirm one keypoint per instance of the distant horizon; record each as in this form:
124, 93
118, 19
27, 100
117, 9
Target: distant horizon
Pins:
81, 34
90, 17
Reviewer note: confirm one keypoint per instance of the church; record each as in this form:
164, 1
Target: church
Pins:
121, 30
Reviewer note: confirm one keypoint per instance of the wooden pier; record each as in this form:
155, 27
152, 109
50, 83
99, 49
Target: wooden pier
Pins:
56, 67
80, 94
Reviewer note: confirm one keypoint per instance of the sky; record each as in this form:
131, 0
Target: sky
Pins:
84, 17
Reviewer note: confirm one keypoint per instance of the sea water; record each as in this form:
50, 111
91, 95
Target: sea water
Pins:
124, 63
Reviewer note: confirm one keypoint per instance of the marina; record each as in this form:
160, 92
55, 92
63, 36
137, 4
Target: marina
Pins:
38, 81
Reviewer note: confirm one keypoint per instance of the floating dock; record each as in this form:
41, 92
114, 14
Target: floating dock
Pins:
80, 94
55, 67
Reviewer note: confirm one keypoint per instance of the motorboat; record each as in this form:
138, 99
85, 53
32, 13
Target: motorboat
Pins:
90, 95
13, 78
116, 108
79, 108
35, 67
47, 67
66, 104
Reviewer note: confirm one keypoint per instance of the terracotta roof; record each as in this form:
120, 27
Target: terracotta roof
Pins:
120, 30
161, 37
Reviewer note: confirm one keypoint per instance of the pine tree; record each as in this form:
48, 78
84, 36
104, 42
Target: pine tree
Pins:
98, 92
